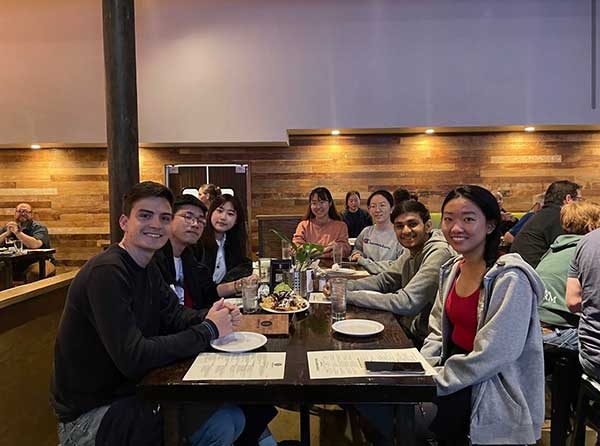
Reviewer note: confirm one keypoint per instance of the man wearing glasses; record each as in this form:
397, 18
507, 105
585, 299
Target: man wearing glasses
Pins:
193, 284
191, 281
33, 235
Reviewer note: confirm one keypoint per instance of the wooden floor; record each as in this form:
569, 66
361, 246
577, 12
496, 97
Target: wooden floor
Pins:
334, 431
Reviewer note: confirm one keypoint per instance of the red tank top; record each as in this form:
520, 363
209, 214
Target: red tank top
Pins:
462, 313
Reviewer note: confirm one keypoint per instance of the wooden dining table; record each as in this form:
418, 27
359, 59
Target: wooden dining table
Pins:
308, 331
7, 258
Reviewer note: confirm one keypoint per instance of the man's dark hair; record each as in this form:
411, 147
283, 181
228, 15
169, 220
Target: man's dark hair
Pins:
187, 199
411, 206
142, 190
557, 191
402, 194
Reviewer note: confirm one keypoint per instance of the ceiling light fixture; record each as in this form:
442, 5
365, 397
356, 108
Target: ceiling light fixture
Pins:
35, 146
529, 129
335, 132
430, 131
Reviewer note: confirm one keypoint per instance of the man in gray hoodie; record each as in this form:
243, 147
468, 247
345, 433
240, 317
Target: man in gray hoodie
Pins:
410, 286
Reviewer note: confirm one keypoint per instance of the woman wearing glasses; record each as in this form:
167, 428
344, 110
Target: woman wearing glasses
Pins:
322, 224
377, 246
223, 245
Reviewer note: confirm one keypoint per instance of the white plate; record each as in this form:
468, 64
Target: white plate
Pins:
239, 342
237, 301
358, 327
341, 272
300, 310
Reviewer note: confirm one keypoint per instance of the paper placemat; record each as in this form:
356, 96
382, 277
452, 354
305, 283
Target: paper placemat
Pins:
236, 366
351, 363
319, 298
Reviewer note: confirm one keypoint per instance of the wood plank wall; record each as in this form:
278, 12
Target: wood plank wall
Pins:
68, 187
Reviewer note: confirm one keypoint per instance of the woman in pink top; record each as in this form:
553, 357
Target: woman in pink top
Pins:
322, 224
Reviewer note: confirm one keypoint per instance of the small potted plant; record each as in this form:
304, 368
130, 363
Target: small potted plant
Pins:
304, 256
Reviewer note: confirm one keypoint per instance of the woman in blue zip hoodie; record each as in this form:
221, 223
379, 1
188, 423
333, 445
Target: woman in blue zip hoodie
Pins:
484, 332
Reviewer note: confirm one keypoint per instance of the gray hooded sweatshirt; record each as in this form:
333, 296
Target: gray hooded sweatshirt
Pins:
409, 287
506, 366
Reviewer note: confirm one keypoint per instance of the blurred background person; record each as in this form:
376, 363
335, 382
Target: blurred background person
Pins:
538, 202
539, 232
401, 194
508, 219
207, 193
577, 219
355, 218
33, 235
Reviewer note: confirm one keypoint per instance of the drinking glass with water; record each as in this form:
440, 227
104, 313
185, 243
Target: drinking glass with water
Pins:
338, 298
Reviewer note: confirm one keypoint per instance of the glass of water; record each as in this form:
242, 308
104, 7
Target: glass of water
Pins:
338, 298
249, 297
286, 250
18, 246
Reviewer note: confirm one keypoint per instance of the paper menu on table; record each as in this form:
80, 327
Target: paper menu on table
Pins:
351, 363
238, 366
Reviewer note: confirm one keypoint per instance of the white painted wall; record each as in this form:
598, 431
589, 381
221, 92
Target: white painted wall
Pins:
248, 70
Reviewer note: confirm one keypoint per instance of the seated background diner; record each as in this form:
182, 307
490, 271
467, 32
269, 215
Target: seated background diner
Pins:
532, 242
207, 193
33, 235
223, 246
400, 194
377, 246
354, 216
538, 202
577, 219
322, 224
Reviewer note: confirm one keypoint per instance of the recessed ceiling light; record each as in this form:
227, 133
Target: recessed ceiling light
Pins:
430, 131
529, 129
35, 146
335, 132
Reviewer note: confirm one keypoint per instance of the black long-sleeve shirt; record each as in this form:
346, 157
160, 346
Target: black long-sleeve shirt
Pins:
119, 322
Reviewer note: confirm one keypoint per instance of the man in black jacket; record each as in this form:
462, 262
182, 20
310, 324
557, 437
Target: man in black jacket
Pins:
539, 232
121, 320
187, 277
193, 284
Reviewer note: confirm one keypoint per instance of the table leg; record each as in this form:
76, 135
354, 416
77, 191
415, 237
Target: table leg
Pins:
171, 424
42, 268
404, 422
560, 401
305, 425
6, 275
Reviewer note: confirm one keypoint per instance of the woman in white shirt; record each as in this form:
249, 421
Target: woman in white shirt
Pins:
223, 246
377, 245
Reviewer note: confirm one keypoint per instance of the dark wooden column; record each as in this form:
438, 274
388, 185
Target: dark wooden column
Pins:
121, 104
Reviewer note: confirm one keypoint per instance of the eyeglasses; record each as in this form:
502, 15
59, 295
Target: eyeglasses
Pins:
191, 219
23, 211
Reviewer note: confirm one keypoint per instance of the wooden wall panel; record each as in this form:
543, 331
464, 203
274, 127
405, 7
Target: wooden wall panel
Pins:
69, 191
